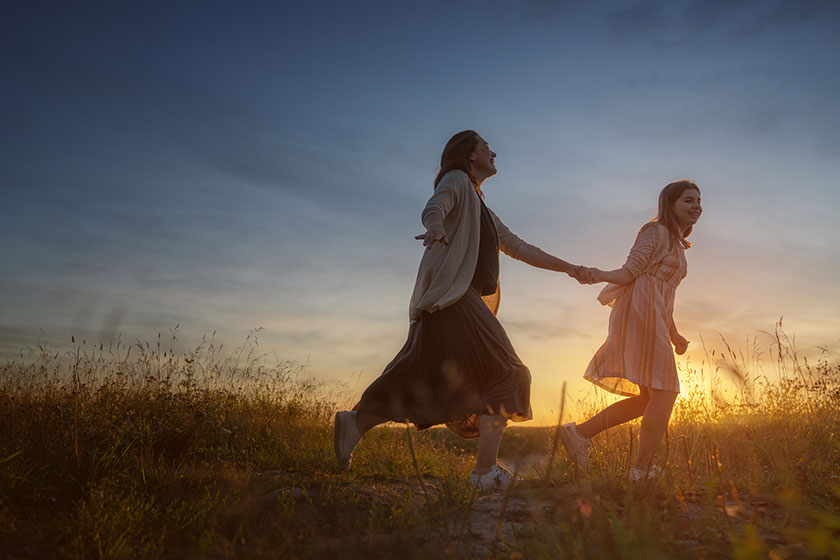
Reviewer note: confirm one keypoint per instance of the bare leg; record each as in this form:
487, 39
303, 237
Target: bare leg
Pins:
654, 422
490, 430
365, 422
615, 414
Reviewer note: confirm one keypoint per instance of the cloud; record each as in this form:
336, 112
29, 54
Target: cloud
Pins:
668, 25
787, 12
643, 19
543, 330
535, 11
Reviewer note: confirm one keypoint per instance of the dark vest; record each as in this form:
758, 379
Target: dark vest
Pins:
486, 276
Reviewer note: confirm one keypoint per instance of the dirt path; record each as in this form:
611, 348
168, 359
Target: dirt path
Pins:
496, 520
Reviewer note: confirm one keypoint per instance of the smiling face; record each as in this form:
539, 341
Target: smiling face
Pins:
687, 208
482, 160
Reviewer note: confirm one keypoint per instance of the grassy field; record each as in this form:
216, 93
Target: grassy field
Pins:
137, 451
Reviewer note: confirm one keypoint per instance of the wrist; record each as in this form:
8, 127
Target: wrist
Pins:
433, 221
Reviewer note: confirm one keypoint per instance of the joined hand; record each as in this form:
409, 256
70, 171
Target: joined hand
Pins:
585, 275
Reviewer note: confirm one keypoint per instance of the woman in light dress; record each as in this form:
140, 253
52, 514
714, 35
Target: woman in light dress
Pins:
458, 366
637, 359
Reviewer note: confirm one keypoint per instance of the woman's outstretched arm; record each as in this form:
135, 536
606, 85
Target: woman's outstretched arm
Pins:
516, 248
540, 259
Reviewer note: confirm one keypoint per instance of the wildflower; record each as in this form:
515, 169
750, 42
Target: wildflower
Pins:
584, 507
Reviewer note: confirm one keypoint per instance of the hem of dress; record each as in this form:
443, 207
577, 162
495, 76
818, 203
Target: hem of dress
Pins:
598, 381
467, 427
467, 424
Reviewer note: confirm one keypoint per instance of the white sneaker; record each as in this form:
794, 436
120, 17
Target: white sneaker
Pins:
577, 446
346, 437
497, 478
639, 474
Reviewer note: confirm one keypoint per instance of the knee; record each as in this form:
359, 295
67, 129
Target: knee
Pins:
663, 396
499, 421
494, 422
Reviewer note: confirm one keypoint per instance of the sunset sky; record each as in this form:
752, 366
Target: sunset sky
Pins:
223, 168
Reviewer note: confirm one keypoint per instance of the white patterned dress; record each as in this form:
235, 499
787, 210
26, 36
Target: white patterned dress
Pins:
638, 349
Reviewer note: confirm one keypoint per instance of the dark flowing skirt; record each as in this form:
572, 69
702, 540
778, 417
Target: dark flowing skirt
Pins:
457, 363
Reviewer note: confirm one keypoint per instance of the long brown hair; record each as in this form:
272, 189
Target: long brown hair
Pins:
669, 195
456, 154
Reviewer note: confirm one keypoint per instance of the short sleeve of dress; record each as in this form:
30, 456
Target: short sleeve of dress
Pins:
650, 246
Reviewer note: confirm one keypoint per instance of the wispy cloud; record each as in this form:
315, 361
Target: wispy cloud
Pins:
545, 330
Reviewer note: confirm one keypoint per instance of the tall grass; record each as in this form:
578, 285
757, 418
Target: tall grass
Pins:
141, 450
110, 451
751, 461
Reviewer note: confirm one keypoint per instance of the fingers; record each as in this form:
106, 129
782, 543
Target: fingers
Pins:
440, 237
583, 275
429, 238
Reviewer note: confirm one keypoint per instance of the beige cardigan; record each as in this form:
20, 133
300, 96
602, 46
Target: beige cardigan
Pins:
446, 271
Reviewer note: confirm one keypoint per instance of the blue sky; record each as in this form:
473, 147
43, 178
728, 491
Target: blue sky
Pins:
224, 167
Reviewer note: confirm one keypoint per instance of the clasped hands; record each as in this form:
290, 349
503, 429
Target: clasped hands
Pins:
585, 275
582, 274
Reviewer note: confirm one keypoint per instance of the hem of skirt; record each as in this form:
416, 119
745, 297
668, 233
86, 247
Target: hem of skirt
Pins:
512, 416
467, 427
599, 381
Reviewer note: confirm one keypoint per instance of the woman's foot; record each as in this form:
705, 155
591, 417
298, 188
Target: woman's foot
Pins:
577, 446
345, 437
498, 477
637, 474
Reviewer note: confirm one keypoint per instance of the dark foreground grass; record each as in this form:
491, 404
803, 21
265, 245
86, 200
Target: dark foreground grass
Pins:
135, 451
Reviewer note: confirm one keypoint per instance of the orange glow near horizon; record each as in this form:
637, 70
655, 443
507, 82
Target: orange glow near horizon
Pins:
713, 373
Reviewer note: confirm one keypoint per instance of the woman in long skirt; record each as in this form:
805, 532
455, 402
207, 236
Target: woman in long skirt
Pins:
458, 366
637, 359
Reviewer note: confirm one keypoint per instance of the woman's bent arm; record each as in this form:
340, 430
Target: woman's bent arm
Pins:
439, 205
619, 276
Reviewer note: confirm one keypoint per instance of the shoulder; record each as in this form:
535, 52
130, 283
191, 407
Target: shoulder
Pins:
653, 233
653, 230
653, 227
455, 179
